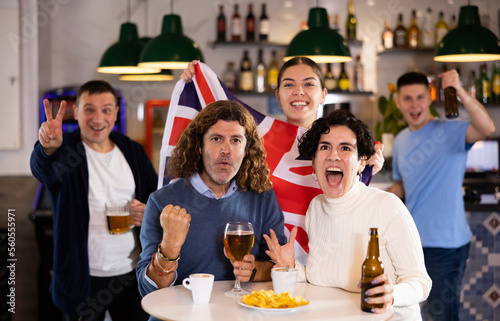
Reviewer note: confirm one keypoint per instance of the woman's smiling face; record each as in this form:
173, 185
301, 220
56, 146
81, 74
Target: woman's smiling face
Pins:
336, 161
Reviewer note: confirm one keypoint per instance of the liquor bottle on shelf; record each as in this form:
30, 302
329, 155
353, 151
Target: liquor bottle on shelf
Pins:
472, 84
330, 81
371, 268
400, 33
260, 74
441, 28
351, 22
358, 75
230, 77
484, 90
272, 74
236, 25
221, 25
264, 26
431, 78
250, 24
453, 22
387, 36
413, 34
428, 40
343, 84
495, 84
246, 77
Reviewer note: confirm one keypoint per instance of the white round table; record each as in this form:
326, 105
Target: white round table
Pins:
176, 303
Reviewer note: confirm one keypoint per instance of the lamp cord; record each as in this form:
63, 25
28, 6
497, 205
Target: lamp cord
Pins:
172, 6
146, 16
128, 11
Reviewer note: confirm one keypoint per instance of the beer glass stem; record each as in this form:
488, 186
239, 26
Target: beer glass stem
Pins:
237, 286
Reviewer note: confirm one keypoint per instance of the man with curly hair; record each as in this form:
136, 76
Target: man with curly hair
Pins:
220, 163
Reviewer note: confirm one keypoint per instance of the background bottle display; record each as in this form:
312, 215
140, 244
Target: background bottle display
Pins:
230, 77
431, 78
343, 83
400, 33
351, 22
428, 40
358, 75
484, 90
413, 33
221, 25
472, 83
236, 25
441, 29
260, 74
246, 77
387, 36
264, 26
250, 24
372, 267
330, 81
272, 74
495, 84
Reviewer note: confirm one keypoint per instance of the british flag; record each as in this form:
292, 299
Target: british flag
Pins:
292, 177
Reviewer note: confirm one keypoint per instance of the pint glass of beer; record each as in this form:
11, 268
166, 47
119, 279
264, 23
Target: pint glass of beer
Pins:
118, 216
238, 242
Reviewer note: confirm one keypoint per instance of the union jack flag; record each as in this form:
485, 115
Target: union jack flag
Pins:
291, 175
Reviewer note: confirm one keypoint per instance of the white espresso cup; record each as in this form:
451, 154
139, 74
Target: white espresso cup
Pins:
200, 285
284, 281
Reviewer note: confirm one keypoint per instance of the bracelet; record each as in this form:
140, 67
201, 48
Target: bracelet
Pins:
166, 258
153, 266
167, 271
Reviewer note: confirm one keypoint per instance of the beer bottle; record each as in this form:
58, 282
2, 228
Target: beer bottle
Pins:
272, 74
264, 27
495, 84
236, 25
441, 28
372, 267
413, 34
450, 102
330, 81
351, 22
343, 82
260, 74
250, 24
221, 25
400, 33
246, 77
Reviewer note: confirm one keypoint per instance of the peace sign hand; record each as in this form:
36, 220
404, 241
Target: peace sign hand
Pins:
50, 133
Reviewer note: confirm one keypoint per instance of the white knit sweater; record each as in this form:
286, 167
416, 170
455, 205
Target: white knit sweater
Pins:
338, 240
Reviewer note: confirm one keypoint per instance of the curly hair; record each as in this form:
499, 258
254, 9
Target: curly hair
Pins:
187, 159
308, 143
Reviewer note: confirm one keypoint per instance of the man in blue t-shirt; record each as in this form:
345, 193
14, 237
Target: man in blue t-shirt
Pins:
428, 166
223, 177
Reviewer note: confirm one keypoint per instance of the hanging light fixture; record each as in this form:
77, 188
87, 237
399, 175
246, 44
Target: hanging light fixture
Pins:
319, 42
171, 49
469, 41
123, 56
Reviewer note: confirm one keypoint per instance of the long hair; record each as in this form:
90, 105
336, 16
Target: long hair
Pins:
187, 159
308, 143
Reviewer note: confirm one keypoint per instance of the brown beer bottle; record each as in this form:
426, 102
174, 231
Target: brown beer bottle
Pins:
450, 102
372, 267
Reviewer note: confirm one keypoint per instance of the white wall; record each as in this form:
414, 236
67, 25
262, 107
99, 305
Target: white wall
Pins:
65, 39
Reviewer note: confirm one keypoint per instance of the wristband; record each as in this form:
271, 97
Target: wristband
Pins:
253, 274
166, 258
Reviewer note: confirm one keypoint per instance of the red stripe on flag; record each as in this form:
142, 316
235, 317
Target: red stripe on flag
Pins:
278, 141
203, 85
293, 198
304, 170
177, 128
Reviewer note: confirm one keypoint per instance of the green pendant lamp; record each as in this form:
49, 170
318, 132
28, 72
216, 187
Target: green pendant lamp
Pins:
319, 42
171, 49
469, 41
163, 75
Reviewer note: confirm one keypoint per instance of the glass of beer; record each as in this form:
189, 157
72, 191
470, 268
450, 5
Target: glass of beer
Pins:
238, 242
118, 216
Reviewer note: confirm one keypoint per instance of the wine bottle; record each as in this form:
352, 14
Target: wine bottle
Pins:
413, 34
260, 74
236, 25
343, 83
272, 74
484, 86
230, 77
400, 33
351, 22
264, 26
330, 81
371, 268
358, 75
246, 77
441, 29
387, 36
250, 24
221, 25
428, 40
495, 84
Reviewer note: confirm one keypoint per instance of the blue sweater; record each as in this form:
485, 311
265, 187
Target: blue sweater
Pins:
203, 250
65, 175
